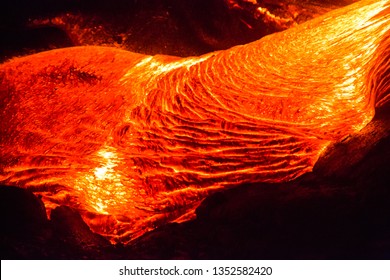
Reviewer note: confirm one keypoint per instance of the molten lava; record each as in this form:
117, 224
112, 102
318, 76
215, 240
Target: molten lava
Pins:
134, 141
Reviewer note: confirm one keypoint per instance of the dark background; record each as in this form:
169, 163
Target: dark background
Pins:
174, 27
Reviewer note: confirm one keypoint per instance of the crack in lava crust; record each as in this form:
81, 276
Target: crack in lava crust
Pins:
134, 141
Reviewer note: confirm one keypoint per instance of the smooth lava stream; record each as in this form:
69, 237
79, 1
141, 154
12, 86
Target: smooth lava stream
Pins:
134, 141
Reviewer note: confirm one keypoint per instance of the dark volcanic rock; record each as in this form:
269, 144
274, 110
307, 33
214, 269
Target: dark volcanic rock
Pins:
21, 212
71, 228
173, 27
26, 233
343, 159
24, 225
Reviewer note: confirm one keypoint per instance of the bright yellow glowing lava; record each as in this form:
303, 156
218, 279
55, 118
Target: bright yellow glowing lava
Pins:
135, 141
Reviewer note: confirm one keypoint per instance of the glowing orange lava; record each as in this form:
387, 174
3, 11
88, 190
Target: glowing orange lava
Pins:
134, 141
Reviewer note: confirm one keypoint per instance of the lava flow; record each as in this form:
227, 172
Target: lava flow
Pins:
133, 141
